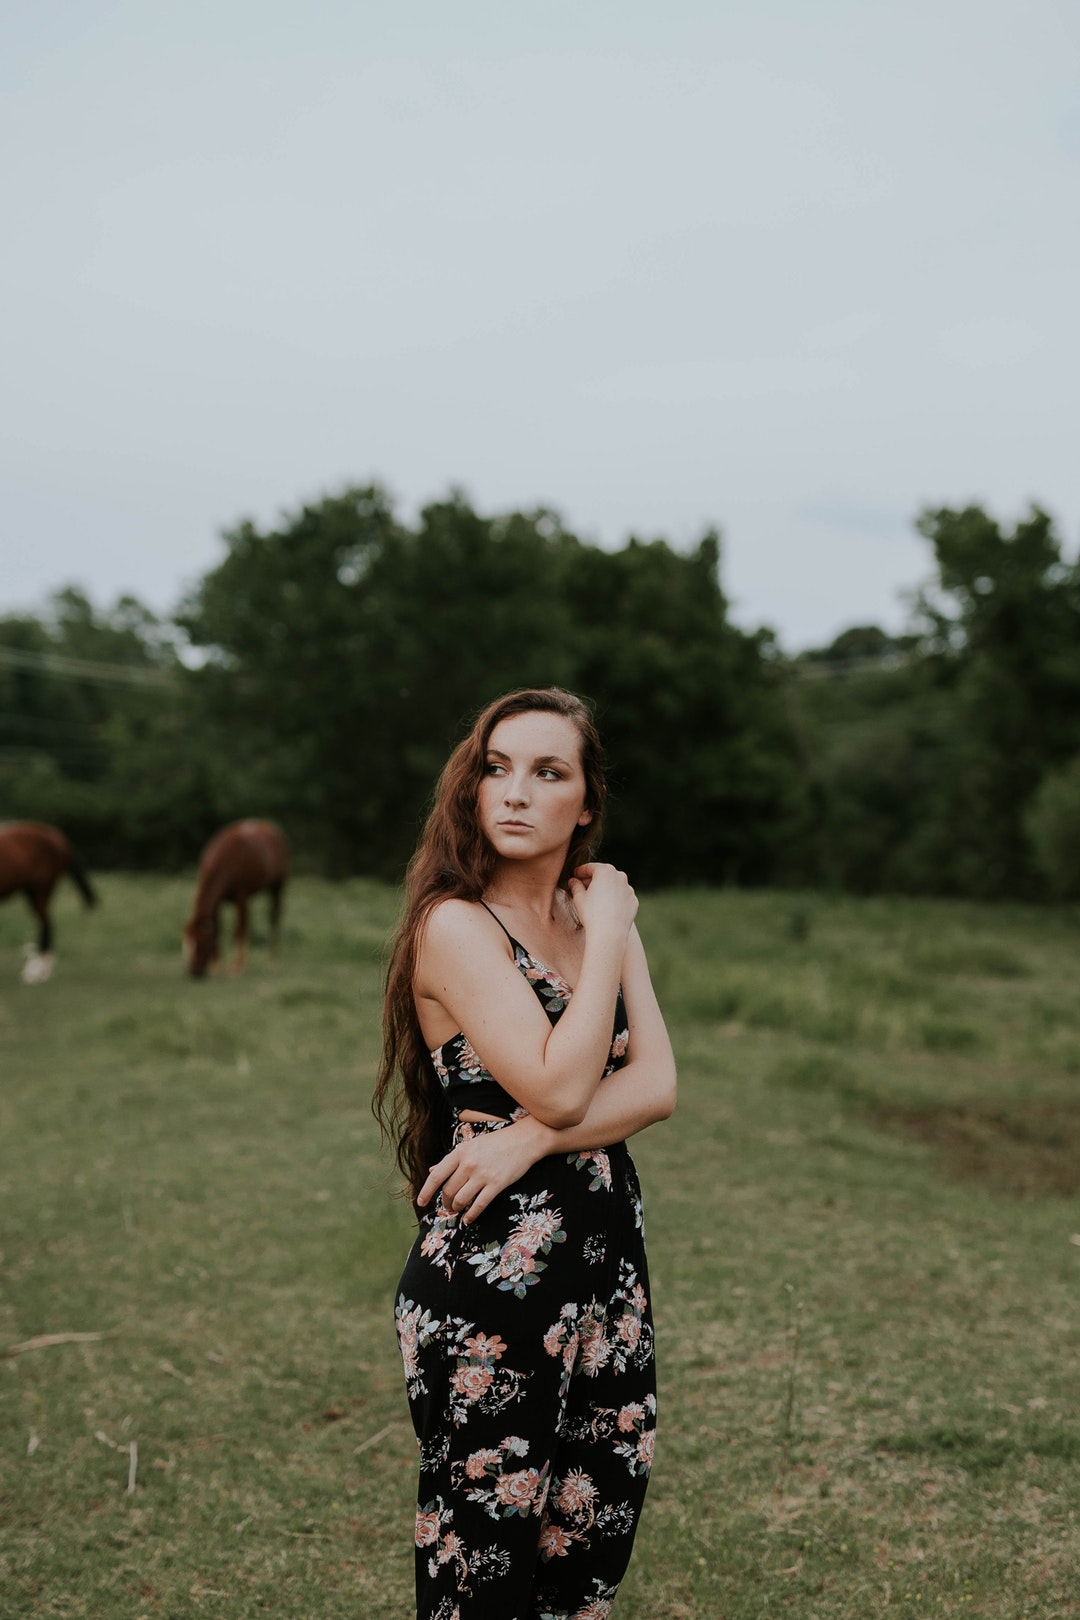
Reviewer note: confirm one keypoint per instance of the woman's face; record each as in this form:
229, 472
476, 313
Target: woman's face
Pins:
532, 794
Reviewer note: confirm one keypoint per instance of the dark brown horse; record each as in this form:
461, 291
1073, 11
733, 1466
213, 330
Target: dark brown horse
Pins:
239, 861
33, 859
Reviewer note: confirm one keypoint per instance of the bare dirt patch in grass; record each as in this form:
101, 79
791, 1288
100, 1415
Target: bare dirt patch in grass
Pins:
1028, 1149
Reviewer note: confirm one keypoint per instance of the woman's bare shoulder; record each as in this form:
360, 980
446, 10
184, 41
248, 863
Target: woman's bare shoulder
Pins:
463, 951
450, 924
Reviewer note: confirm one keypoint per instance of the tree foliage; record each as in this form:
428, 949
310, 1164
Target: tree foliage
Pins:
1003, 634
346, 653
96, 734
333, 659
1053, 825
928, 769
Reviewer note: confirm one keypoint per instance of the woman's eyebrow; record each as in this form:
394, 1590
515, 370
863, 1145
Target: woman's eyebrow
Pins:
541, 759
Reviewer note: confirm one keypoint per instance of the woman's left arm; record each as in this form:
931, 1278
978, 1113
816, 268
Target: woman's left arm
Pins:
637, 1095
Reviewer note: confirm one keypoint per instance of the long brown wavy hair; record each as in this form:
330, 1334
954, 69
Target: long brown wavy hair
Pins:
454, 860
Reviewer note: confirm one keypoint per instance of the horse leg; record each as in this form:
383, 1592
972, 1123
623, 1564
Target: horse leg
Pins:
241, 936
40, 962
275, 924
40, 904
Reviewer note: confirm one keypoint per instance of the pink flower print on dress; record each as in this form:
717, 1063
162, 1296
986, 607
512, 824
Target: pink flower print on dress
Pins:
554, 1542
516, 1259
513, 1266
409, 1341
479, 1378
471, 1061
539, 973
537, 1228
518, 1492
439, 1234
477, 1465
556, 992
440, 1067
427, 1527
629, 1330
562, 1338
596, 1161
576, 1492
452, 1547
594, 1351
631, 1336
630, 1416
485, 1347
637, 1450
472, 1382
416, 1327
620, 1044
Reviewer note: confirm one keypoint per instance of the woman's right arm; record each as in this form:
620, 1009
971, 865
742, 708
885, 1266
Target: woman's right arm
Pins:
552, 1071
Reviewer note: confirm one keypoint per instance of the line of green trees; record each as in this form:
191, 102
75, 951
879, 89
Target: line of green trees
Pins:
321, 672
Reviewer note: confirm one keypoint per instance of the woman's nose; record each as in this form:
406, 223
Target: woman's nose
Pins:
516, 792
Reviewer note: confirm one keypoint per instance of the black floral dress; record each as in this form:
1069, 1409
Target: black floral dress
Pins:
528, 1349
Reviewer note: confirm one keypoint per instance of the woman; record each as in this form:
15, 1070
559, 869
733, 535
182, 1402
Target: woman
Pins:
523, 1044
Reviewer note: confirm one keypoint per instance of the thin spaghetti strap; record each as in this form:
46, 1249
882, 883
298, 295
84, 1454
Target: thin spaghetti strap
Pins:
502, 925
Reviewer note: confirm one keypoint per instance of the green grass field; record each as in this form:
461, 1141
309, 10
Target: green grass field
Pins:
864, 1229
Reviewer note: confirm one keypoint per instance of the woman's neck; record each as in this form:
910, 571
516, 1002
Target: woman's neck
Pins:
529, 890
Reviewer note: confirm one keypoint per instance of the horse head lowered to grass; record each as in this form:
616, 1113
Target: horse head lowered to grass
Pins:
33, 859
243, 859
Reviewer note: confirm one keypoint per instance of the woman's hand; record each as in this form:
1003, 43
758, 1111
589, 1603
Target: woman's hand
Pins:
602, 897
478, 1170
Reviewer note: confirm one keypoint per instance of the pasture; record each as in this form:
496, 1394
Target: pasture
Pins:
864, 1229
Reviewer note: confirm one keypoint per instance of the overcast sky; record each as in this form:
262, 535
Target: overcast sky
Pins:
793, 268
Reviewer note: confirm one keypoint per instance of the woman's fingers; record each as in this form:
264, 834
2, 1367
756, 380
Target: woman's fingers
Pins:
603, 894
475, 1172
436, 1176
451, 1187
455, 1189
464, 1196
479, 1204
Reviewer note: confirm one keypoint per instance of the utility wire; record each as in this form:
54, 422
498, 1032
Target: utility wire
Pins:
83, 669
86, 669
38, 724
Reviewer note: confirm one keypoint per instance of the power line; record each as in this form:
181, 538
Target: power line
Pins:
20, 751
38, 724
82, 669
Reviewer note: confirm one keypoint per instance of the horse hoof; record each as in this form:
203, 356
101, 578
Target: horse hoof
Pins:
38, 968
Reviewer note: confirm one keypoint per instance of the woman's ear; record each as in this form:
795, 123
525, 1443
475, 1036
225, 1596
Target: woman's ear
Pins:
585, 818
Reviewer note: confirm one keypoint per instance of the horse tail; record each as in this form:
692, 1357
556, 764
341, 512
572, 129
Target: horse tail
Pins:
77, 874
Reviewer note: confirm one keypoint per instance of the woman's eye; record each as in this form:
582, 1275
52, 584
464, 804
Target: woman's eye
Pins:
549, 775
494, 769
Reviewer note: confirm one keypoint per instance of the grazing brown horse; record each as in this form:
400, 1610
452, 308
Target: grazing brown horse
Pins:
239, 861
33, 859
